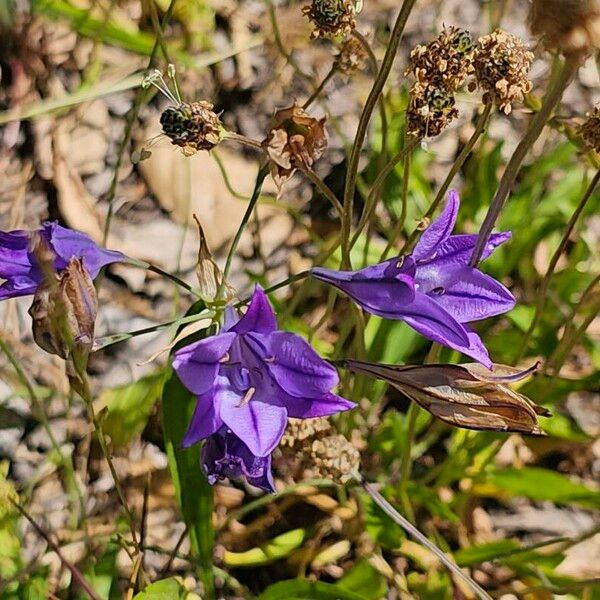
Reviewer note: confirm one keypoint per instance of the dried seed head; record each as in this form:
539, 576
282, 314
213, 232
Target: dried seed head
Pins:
299, 430
192, 126
445, 62
567, 26
331, 18
335, 458
590, 130
64, 310
430, 110
295, 140
351, 57
501, 65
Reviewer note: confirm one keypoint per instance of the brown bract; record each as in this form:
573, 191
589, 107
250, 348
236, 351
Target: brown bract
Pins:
465, 395
430, 110
501, 64
351, 57
295, 141
567, 26
590, 130
331, 18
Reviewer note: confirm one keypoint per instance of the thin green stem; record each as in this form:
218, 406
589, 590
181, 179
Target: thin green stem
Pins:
325, 190
542, 292
536, 125
320, 87
363, 124
406, 460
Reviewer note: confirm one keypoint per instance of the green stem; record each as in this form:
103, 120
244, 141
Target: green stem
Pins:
154, 269
551, 99
406, 460
543, 290
325, 190
320, 87
363, 124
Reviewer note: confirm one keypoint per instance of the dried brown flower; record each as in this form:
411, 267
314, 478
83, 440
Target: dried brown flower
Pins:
465, 395
430, 110
568, 26
590, 130
295, 140
351, 57
331, 18
335, 458
501, 64
192, 126
445, 62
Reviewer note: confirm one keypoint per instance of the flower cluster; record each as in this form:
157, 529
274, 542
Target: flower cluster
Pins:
351, 57
502, 63
331, 18
434, 290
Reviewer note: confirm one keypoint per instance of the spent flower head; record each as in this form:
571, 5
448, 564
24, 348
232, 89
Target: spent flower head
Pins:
501, 64
351, 57
589, 130
430, 110
331, 18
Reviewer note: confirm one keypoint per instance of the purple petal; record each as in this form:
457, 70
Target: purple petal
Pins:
18, 286
476, 350
328, 404
256, 469
439, 230
259, 317
457, 249
258, 424
380, 289
68, 243
205, 420
431, 320
197, 365
466, 293
295, 366
14, 256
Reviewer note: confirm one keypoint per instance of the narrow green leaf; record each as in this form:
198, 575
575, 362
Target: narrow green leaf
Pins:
475, 555
276, 549
165, 589
298, 589
364, 579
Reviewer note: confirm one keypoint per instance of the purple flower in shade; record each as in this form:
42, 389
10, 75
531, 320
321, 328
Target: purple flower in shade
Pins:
248, 380
225, 455
20, 268
434, 290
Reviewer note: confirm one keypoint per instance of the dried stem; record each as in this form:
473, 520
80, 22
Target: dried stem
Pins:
320, 87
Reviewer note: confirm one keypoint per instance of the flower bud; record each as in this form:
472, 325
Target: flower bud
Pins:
192, 126
466, 395
295, 140
331, 18
64, 311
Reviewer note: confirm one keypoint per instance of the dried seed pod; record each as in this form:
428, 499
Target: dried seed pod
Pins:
430, 110
351, 56
331, 18
590, 130
501, 64
192, 126
64, 311
295, 140
334, 457
567, 26
445, 62
465, 395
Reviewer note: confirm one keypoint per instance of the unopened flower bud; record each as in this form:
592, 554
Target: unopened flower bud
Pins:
331, 18
295, 140
590, 130
567, 26
64, 311
465, 395
502, 63
192, 126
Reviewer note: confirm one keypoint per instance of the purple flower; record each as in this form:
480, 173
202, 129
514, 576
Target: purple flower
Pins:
434, 290
20, 269
225, 455
248, 380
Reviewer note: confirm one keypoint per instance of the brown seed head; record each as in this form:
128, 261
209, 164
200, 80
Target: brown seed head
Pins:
590, 130
445, 62
331, 18
334, 457
295, 141
351, 57
567, 26
430, 110
501, 65
192, 126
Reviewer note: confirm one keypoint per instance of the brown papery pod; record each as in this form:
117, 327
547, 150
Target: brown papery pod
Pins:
467, 395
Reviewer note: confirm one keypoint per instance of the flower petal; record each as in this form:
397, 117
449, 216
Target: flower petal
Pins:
328, 404
259, 317
470, 295
18, 286
205, 420
439, 230
380, 289
14, 256
295, 366
197, 365
457, 249
258, 424
68, 243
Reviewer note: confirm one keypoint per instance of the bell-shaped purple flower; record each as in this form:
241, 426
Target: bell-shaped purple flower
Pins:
19, 267
434, 290
251, 377
225, 455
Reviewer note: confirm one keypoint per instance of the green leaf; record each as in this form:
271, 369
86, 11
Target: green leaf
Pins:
276, 549
299, 589
165, 589
102, 575
129, 407
475, 555
364, 579
536, 484
379, 526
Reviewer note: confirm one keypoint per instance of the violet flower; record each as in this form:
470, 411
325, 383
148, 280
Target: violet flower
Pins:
20, 268
434, 290
248, 380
